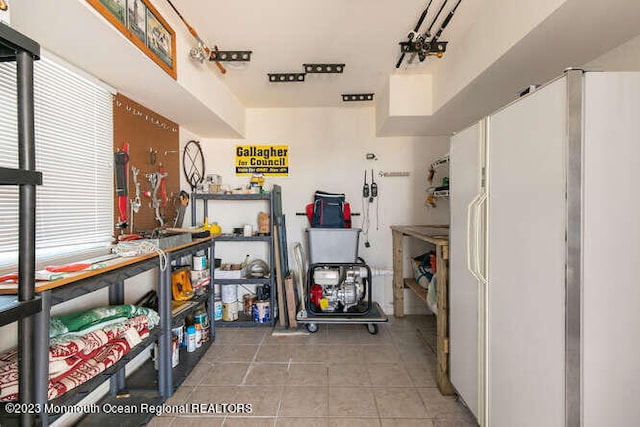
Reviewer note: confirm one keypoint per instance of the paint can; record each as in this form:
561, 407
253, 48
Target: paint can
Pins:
200, 318
217, 309
175, 353
248, 301
229, 293
199, 262
261, 311
230, 311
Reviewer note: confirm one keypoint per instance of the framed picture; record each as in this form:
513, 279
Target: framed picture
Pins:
143, 25
136, 19
117, 8
159, 39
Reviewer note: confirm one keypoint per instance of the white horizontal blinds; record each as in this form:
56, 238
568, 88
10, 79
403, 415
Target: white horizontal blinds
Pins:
8, 156
74, 149
74, 140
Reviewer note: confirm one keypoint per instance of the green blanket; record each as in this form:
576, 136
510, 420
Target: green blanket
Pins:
89, 319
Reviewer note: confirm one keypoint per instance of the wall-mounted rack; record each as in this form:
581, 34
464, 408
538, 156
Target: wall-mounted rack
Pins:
393, 174
355, 97
286, 77
324, 68
426, 47
231, 55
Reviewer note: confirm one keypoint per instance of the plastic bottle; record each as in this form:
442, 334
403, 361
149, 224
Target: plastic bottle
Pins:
191, 339
198, 335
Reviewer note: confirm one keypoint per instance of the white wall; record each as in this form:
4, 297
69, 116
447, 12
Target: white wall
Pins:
327, 151
625, 57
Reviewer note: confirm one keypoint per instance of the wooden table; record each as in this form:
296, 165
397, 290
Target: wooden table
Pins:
437, 235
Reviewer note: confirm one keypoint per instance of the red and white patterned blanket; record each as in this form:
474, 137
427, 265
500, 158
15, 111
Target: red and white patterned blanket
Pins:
76, 358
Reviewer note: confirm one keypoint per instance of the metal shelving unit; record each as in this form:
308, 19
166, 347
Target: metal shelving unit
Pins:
275, 209
148, 386
15, 47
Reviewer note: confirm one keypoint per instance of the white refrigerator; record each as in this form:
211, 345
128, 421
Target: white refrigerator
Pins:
544, 238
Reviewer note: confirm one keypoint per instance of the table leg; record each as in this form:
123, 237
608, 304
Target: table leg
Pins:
442, 343
398, 281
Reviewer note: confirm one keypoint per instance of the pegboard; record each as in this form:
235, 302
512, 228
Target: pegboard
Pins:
149, 135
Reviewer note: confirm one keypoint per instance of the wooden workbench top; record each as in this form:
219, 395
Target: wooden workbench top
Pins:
112, 264
436, 234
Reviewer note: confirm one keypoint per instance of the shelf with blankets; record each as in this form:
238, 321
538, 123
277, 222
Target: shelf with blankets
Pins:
85, 348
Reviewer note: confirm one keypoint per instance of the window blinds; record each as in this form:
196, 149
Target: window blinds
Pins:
74, 140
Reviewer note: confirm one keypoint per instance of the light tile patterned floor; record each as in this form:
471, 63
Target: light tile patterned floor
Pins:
339, 376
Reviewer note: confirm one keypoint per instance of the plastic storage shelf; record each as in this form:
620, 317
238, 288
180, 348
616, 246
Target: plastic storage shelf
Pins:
275, 208
16, 47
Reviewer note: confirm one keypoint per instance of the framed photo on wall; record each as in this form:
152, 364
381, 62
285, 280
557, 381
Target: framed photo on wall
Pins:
136, 19
116, 8
159, 39
143, 25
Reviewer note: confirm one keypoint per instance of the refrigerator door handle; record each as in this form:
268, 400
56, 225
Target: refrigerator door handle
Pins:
472, 244
476, 252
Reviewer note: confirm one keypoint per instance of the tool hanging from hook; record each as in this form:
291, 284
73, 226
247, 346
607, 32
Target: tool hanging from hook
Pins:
121, 161
374, 196
369, 196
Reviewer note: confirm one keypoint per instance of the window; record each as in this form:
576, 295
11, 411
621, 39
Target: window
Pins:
74, 140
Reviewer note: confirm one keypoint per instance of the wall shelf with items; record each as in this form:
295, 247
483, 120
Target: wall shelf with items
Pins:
273, 199
435, 191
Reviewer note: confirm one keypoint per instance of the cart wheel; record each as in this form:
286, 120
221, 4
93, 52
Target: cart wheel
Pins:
372, 328
312, 327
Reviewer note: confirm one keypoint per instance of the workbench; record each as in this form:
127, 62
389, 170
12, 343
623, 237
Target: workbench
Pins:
438, 236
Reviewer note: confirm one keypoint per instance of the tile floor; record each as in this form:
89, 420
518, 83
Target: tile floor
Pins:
339, 376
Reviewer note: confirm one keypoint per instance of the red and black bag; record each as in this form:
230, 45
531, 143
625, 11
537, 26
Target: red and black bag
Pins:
329, 210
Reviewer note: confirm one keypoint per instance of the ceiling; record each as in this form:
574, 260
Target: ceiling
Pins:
283, 35
496, 47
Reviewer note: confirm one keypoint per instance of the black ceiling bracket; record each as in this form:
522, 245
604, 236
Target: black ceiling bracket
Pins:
231, 55
355, 97
415, 47
286, 77
323, 68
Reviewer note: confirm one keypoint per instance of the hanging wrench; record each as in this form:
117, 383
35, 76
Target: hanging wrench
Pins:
135, 203
163, 189
155, 179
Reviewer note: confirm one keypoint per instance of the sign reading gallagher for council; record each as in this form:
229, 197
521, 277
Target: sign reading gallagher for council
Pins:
269, 160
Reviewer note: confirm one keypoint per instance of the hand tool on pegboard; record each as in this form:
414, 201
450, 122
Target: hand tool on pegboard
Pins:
121, 169
183, 200
135, 202
156, 179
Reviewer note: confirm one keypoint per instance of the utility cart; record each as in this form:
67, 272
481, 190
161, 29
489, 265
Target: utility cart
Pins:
338, 282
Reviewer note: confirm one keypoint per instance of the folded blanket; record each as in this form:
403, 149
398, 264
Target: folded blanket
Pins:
99, 341
95, 317
70, 344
